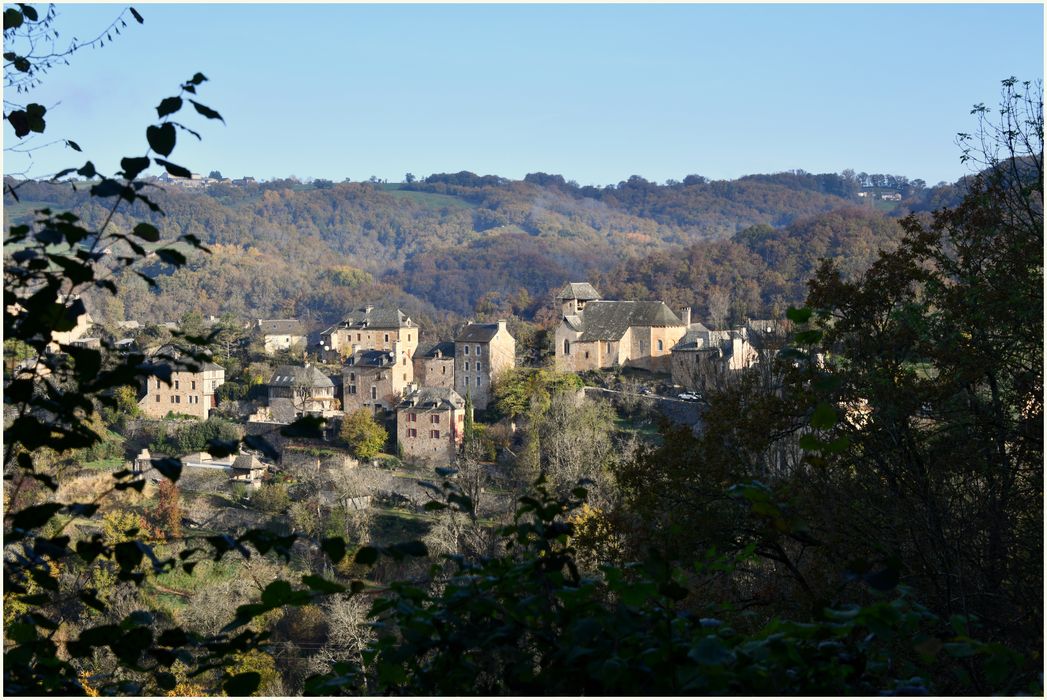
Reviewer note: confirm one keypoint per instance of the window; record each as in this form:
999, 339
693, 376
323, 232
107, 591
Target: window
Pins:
412, 417
358, 337
374, 393
466, 366
461, 417
587, 354
387, 337
434, 419
478, 379
408, 337
157, 383
660, 345
176, 384
566, 347
608, 347
172, 399
477, 350
352, 388
405, 376
466, 349
434, 434
405, 362
467, 381
178, 399
158, 398
352, 376
411, 432
193, 385
444, 369
477, 367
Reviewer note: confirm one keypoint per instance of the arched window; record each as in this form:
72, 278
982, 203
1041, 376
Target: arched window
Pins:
566, 347
660, 346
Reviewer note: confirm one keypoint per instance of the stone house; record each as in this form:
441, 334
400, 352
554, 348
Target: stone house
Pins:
703, 353
435, 366
598, 334
482, 352
430, 422
376, 379
297, 391
371, 328
191, 393
281, 334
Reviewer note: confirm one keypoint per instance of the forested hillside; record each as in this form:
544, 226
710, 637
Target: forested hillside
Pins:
440, 246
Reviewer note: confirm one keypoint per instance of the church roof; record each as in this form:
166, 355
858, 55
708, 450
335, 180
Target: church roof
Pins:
582, 291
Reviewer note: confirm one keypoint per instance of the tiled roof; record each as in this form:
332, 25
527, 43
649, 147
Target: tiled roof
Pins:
283, 326
582, 291
431, 397
609, 320
289, 375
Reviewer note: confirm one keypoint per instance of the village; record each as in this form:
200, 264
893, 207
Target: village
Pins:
374, 361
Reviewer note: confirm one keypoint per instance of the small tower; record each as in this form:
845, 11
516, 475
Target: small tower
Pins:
574, 296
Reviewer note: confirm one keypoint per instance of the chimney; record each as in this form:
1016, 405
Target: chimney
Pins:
356, 348
685, 316
502, 325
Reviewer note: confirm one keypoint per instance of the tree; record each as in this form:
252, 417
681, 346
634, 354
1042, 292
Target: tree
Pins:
216, 175
409, 178
365, 437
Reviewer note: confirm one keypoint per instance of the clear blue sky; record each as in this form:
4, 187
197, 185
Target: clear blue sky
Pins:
594, 92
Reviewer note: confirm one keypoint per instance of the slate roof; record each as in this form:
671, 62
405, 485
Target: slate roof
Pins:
246, 462
477, 333
582, 291
609, 320
289, 375
432, 397
699, 338
281, 326
375, 317
444, 348
371, 358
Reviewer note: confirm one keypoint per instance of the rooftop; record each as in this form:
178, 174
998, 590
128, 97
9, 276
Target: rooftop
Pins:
282, 326
582, 291
432, 398
609, 320
375, 317
308, 376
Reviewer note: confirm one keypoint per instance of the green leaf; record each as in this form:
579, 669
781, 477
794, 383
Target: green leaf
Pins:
276, 593
824, 417
34, 516
171, 257
12, 19
169, 467
73, 145
161, 138
168, 105
134, 166
29, 12
242, 684
322, 585
174, 169
334, 548
802, 315
147, 232
137, 16
207, 111
366, 556
197, 79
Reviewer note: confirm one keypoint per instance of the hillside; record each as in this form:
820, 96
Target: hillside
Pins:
439, 246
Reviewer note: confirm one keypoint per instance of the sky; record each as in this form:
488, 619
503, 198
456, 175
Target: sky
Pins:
596, 93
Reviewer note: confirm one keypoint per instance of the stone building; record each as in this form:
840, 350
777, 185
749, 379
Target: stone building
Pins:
482, 352
191, 393
297, 391
598, 334
281, 334
429, 425
371, 328
703, 354
375, 379
434, 366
